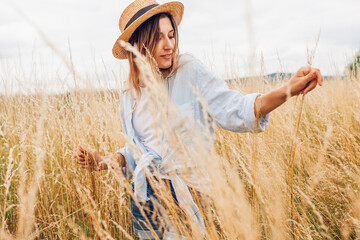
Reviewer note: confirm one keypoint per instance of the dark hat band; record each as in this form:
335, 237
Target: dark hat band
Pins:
139, 14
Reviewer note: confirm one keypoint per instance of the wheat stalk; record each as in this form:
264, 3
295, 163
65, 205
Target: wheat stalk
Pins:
310, 57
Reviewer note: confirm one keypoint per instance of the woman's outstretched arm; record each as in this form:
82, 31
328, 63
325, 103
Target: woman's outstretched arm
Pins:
302, 82
91, 159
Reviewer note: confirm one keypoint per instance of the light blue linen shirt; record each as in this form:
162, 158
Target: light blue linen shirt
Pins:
228, 108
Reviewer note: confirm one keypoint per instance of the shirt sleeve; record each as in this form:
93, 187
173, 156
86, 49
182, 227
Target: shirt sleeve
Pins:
230, 109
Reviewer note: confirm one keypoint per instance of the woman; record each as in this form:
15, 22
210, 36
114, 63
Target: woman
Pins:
152, 28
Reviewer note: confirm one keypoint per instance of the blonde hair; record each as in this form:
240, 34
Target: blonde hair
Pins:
145, 38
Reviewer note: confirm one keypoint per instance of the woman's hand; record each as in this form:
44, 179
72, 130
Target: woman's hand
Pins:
304, 80
89, 159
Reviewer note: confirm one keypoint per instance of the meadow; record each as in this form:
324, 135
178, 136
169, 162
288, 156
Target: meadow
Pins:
299, 179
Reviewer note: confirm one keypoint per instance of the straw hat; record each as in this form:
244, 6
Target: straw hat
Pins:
138, 12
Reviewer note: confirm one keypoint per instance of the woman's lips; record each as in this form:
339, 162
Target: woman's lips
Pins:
166, 56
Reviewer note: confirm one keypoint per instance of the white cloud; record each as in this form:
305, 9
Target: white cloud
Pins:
212, 30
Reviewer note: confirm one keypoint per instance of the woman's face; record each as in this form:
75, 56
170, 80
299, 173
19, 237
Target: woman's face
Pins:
164, 50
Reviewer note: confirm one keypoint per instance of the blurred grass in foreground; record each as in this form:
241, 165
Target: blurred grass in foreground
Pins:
45, 195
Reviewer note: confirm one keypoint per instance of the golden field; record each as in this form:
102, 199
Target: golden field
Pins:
300, 179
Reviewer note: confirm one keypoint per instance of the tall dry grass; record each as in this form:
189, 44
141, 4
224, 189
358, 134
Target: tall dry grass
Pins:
45, 195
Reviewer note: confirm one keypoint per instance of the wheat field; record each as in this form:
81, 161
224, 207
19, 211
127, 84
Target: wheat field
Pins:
299, 179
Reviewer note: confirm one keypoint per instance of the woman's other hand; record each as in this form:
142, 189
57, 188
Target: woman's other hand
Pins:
304, 80
89, 159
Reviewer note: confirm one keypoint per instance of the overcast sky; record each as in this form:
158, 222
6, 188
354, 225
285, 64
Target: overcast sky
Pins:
221, 33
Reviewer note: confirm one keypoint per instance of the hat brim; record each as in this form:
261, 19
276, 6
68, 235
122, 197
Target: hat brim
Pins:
176, 9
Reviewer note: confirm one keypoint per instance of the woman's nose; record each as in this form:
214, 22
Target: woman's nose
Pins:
168, 44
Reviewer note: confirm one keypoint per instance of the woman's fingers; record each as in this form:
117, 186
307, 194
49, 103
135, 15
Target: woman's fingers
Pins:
86, 158
315, 74
81, 148
310, 86
83, 156
84, 152
80, 156
304, 71
82, 163
310, 80
309, 77
319, 78
313, 78
87, 165
305, 80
